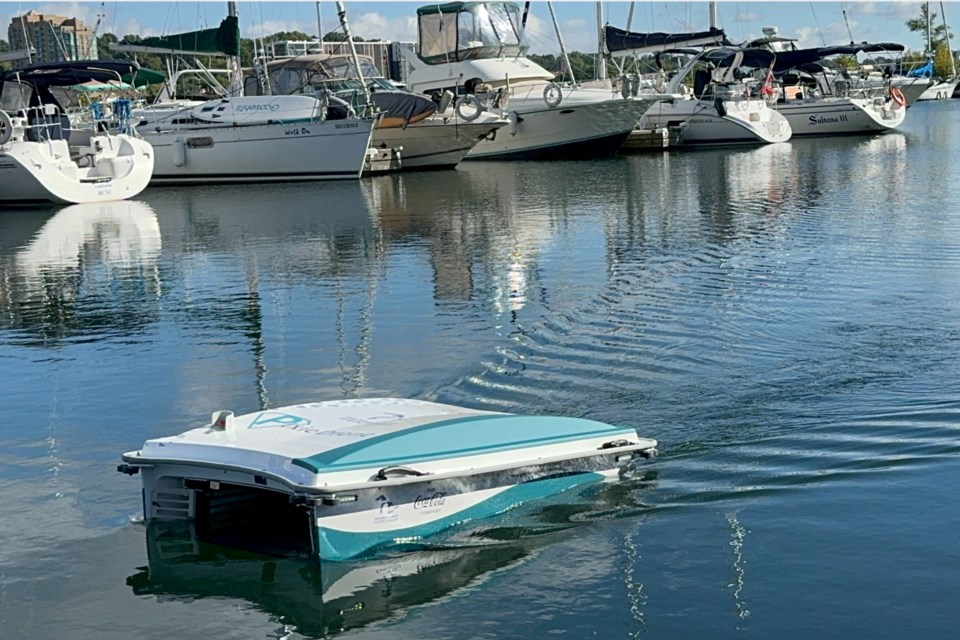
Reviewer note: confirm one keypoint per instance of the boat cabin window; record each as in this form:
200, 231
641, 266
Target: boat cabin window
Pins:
15, 96
469, 32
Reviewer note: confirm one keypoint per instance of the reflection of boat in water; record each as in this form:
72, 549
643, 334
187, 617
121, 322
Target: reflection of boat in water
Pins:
315, 600
81, 250
323, 226
125, 233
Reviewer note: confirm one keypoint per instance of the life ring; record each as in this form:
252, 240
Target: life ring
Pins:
552, 95
6, 127
474, 103
897, 96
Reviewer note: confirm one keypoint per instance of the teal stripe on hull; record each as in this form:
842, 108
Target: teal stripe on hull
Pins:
445, 439
335, 544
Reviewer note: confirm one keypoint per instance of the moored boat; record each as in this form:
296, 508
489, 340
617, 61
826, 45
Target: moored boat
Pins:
43, 158
238, 138
339, 478
477, 51
729, 105
413, 129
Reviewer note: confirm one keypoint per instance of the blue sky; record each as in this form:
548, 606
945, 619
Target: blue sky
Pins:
811, 22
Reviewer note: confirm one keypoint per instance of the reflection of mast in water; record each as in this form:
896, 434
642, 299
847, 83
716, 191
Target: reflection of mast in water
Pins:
737, 536
254, 316
635, 594
352, 382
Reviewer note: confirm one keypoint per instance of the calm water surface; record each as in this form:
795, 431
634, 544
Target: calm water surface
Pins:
785, 320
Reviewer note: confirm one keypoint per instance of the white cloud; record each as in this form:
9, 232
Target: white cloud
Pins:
578, 35
747, 16
269, 27
376, 26
889, 9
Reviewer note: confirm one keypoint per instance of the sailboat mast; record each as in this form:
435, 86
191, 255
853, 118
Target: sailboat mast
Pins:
601, 45
233, 62
713, 15
563, 50
946, 29
342, 14
319, 27
929, 39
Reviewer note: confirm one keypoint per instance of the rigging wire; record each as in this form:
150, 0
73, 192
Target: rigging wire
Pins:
817, 22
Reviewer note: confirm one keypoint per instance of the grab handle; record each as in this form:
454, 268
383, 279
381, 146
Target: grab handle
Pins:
397, 472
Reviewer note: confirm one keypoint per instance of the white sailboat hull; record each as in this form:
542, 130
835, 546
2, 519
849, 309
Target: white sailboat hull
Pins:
329, 150
745, 122
45, 172
841, 116
939, 91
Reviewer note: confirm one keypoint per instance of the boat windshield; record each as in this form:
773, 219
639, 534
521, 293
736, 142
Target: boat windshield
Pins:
334, 74
15, 97
474, 31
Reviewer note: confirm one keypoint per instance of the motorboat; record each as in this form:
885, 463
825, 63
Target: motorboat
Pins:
477, 52
729, 104
239, 138
337, 479
414, 131
43, 158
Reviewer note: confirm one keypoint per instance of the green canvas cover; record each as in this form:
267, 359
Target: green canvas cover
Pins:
143, 77
224, 39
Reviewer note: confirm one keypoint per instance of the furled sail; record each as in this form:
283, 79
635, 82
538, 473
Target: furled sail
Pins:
223, 40
622, 43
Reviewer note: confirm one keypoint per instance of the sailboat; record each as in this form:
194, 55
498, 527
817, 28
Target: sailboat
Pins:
818, 101
413, 129
728, 104
944, 88
45, 158
238, 138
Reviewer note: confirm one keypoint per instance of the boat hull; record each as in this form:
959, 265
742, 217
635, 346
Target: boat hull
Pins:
42, 172
744, 122
939, 91
331, 150
359, 474
433, 143
841, 116
571, 130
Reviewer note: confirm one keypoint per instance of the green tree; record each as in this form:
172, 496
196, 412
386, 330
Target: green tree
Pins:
4, 47
938, 32
941, 61
282, 36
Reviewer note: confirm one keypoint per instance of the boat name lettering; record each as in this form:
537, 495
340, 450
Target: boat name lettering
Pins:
349, 125
815, 120
296, 131
258, 107
430, 500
